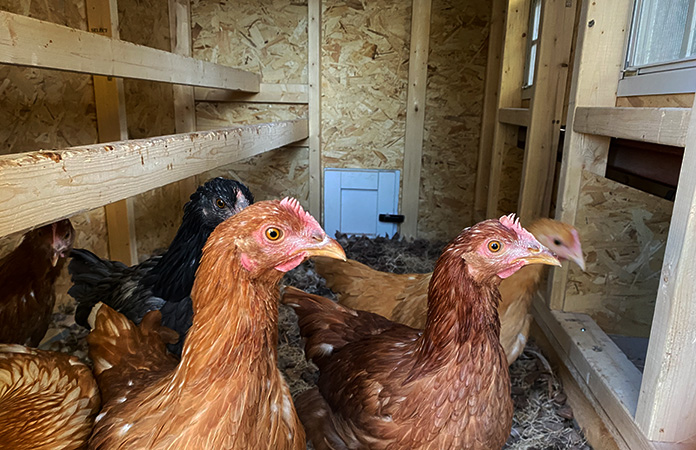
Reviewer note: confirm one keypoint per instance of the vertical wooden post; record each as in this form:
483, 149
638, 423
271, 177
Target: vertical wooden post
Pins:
490, 107
184, 103
667, 403
102, 18
597, 67
546, 108
509, 93
415, 114
314, 94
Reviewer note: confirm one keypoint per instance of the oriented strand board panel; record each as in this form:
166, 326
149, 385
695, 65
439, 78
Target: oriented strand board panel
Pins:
271, 175
268, 37
150, 112
50, 109
364, 74
44, 108
624, 232
454, 105
510, 182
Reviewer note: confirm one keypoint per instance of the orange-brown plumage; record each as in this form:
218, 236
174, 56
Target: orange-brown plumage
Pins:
48, 400
385, 385
27, 276
403, 297
227, 392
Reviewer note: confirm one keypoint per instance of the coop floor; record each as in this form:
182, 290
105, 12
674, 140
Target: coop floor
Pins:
543, 420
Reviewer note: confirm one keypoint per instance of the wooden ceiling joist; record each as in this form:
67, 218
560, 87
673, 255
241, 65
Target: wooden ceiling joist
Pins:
41, 187
30, 42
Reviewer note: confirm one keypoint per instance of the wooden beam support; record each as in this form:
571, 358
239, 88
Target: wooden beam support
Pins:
546, 109
599, 58
184, 103
666, 126
314, 99
514, 116
415, 115
510, 93
268, 93
30, 42
490, 106
667, 404
112, 125
610, 381
81, 178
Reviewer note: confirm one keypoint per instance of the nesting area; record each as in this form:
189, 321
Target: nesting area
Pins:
542, 420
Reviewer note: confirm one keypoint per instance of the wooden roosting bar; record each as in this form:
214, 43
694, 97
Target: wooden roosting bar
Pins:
655, 409
76, 179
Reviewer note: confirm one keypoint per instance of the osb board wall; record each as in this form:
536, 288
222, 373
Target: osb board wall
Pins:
44, 109
267, 37
365, 52
624, 232
33, 112
511, 179
274, 174
454, 102
150, 112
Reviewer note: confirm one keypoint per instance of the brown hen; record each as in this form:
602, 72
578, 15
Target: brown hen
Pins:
403, 297
384, 385
48, 400
227, 392
27, 276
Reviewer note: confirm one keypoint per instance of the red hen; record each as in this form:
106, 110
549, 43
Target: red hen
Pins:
384, 385
27, 276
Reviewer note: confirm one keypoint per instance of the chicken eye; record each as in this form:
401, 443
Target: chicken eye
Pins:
220, 203
494, 246
273, 233
556, 242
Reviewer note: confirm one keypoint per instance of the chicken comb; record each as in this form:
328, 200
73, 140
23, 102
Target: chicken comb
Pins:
294, 206
513, 223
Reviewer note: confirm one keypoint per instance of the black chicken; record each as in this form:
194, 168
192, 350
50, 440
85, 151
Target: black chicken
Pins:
161, 282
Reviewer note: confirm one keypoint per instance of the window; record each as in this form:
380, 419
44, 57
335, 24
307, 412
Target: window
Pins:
532, 47
661, 56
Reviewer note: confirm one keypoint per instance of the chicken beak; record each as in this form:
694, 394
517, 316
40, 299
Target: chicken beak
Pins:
326, 247
54, 258
578, 259
540, 256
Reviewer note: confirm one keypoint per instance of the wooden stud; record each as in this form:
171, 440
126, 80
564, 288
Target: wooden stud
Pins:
415, 115
546, 108
82, 178
598, 62
666, 126
314, 98
490, 106
184, 103
112, 125
268, 93
510, 93
667, 404
30, 42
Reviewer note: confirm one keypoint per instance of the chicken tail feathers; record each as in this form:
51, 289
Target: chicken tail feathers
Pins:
125, 353
328, 326
88, 273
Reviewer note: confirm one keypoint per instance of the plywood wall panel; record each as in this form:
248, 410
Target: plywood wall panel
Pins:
365, 53
267, 37
624, 232
454, 103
